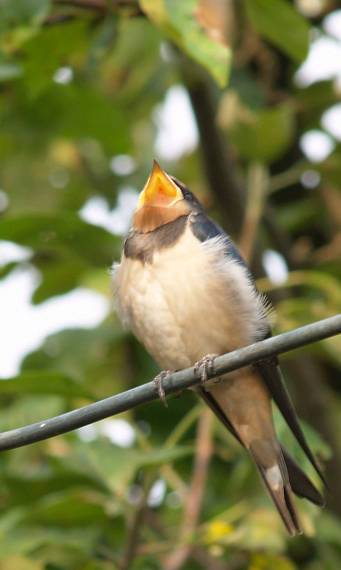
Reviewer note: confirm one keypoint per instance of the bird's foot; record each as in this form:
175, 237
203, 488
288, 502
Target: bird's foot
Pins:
158, 381
204, 367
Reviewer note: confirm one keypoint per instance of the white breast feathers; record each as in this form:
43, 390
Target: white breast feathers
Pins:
191, 300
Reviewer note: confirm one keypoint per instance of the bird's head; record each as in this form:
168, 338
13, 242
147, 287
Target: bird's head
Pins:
162, 200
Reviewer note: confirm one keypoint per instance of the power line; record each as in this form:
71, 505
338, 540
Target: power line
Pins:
174, 383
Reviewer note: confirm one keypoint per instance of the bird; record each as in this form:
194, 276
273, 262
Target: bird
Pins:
186, 293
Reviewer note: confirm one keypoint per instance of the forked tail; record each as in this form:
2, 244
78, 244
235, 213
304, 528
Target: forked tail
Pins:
271, 465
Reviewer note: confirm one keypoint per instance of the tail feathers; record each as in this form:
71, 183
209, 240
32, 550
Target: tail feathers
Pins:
300, 483
275, 477
272, 377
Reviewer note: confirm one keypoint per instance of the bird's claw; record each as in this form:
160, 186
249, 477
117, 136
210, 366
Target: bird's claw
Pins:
204, 367
158, 381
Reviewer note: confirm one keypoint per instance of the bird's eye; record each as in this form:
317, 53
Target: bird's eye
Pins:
187, 194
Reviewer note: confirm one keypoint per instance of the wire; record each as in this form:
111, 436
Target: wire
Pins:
173, 383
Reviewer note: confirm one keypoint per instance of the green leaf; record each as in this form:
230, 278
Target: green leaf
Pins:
330, 169
66, 509
262, 530
16, 561
6, 269
264, 135
280, 23
76, 111
27, 487
112, 465
164, 455
25, 539
59, 275
316, 442
103, 42
9, 71
313, 100
84, 354
29, 409
116, 466
264, 561
299, 215
179, 20
47, 383
328, 528
22, 12
50, 231
20, 20
63, 49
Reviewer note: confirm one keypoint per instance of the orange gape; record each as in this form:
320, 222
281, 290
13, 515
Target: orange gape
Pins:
160, 202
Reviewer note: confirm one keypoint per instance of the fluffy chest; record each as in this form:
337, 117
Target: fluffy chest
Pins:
190, 300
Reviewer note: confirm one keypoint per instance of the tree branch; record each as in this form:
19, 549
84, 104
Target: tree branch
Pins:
258, 180
136, 523
95, 8
175, 383
218, 159
217, 156
194, 498
96, 5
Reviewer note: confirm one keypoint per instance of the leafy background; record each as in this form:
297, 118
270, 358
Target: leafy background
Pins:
82, 82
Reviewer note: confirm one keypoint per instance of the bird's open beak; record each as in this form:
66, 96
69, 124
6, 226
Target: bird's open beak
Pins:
160, 190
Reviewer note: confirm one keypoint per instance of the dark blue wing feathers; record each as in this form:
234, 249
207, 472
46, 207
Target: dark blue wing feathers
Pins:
204, 228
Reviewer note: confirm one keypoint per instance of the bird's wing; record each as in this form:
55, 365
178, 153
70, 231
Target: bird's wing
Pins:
204, 228
272, 376
219, 412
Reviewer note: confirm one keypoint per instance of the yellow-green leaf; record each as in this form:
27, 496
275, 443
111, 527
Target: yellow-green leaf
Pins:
179, 20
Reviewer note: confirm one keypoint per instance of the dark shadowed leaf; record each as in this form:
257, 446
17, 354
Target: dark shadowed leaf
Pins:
266, 134
39, 382
66, 509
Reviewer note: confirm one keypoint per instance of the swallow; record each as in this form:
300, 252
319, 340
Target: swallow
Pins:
185, 291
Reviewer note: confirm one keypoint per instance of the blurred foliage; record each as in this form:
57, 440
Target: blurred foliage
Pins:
80, 84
